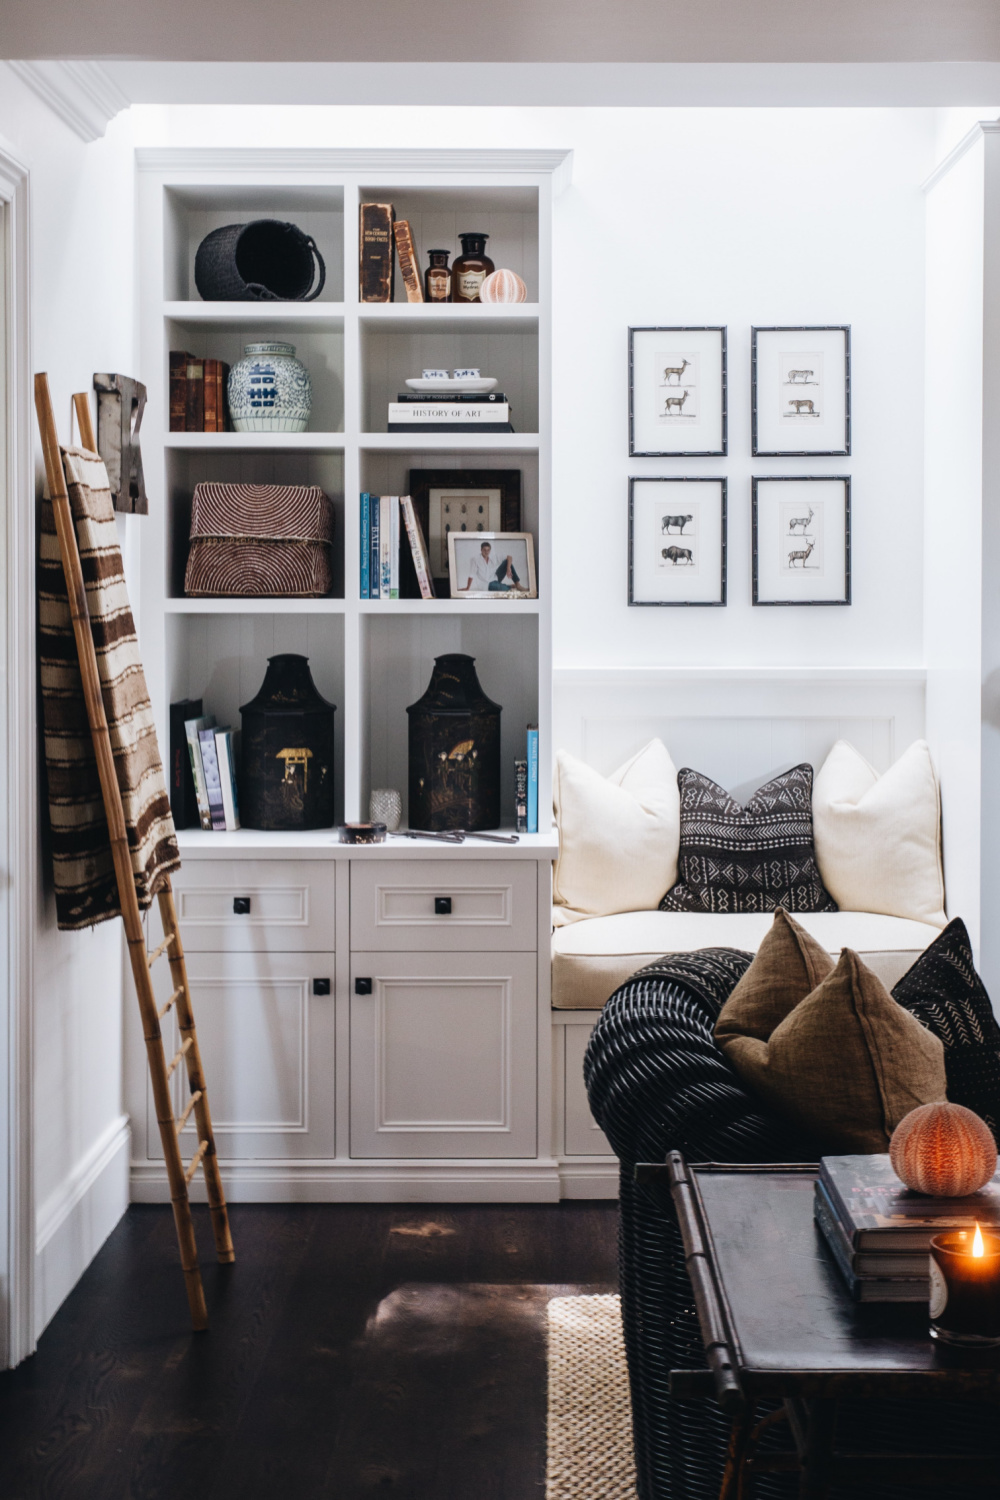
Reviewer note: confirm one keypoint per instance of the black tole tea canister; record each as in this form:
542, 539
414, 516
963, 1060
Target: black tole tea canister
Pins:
454, 751
287, 780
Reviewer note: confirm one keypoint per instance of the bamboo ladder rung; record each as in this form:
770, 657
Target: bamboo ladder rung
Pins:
192, 1169
184, 1047
159, 952
179, 1124
173, 998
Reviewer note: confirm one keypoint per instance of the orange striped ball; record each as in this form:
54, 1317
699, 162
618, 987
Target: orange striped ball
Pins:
503, 286
944, 1150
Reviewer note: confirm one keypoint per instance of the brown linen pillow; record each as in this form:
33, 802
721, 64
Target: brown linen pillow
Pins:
789, 964
846, 1062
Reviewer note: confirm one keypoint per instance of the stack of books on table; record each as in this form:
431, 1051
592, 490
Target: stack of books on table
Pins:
202, 770
879, 1232
456, 411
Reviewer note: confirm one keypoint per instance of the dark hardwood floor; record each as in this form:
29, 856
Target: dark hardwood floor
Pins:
353, 1351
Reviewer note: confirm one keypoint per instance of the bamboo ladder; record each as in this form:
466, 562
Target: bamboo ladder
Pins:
160, 1070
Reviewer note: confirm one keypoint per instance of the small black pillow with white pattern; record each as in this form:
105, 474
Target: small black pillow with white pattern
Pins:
754, 858
947, 996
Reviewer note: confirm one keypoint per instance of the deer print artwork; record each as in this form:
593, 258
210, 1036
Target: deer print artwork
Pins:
677, 376
801, 556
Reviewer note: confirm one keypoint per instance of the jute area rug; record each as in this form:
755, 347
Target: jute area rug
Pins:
590, 1418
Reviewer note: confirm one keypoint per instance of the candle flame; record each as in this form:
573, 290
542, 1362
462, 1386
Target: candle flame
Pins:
977, 1242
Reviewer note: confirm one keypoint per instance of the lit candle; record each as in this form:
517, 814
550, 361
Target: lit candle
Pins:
965, 1288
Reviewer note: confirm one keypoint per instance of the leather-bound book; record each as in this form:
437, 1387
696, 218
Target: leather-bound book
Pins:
376, 263
195, 403
178, 389
408, 268
223, 404
211, 422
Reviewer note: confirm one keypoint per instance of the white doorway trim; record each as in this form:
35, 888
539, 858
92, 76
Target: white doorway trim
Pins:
18, 776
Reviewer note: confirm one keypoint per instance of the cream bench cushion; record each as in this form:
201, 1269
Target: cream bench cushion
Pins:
591, 959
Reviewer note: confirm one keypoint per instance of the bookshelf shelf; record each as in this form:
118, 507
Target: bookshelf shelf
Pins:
375, 656
255, 442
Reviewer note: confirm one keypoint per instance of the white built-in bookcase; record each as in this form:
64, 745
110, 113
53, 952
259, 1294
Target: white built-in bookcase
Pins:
371, 658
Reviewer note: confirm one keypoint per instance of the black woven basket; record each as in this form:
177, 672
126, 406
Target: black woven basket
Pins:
264, 261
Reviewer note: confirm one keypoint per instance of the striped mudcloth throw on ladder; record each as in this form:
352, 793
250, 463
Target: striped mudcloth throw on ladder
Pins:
85, 886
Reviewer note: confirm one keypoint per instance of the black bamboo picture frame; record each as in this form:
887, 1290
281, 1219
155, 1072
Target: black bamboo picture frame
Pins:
755, 394
633, 397
698, 479
803, 534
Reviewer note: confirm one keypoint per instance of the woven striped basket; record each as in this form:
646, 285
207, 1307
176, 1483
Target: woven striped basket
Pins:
258, 540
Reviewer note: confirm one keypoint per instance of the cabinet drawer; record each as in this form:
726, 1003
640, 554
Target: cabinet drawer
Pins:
584, 1137
242, 906
459, 905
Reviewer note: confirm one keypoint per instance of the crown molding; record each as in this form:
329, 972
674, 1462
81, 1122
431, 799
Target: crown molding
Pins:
944, 166
557, 164
82, 94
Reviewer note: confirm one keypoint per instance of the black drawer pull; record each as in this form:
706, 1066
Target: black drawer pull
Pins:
442, 906
241, 906
362, 986
321, 986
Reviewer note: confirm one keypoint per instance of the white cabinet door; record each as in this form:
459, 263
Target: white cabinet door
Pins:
443, 1055
267, 1044
584, 1137
472, 905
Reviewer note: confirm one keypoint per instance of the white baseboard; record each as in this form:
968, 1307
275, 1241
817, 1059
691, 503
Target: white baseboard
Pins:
589, 1179
365, 1182
73, 1222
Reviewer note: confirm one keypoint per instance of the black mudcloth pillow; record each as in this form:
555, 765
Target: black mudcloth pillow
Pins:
946, 994
752, 858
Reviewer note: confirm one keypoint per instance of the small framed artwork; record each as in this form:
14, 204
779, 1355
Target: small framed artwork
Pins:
801, 392
677, 392
493, 565
462, 500
676, 541
802, 540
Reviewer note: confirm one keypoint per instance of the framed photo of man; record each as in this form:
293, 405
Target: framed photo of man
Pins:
492, 565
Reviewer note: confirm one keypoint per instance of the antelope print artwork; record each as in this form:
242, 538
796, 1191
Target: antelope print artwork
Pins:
674, 405
801, 556
675, 371
801, 523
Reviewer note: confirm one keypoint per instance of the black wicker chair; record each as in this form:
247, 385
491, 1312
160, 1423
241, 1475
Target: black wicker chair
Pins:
657, 1082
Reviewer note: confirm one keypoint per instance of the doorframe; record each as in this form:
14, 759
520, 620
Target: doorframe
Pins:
18, 782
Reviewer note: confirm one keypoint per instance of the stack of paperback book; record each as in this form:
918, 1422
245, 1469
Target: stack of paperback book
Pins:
381, 517
202, 770
879, 1232
455, 411
526, 785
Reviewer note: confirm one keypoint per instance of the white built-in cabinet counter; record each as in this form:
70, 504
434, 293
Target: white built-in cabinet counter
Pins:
374, 1022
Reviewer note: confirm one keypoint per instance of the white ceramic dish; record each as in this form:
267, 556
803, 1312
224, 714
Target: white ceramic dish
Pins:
429, 387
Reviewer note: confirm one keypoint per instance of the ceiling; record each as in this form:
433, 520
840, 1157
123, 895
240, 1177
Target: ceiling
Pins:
511, 31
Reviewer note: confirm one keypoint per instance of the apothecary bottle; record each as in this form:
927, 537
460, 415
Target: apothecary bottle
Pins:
471, 268
437, 277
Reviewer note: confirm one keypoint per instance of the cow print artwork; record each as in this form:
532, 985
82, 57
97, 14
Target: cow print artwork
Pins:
753, 858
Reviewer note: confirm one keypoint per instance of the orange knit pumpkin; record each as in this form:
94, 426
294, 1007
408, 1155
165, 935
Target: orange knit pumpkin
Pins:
944, 1150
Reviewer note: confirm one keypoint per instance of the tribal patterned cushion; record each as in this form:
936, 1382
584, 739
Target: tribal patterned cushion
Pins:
946, 994
752, 858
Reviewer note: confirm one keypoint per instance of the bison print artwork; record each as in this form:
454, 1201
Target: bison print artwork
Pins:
801, 390
677, 392
677, 541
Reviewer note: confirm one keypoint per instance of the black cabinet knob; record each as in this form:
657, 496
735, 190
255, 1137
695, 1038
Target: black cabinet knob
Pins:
362, 986
321, 986
442, 906
241, 905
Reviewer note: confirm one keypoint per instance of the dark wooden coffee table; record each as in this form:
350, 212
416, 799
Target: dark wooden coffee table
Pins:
779, 1324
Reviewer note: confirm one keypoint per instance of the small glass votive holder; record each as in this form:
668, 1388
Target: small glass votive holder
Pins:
965, 1290
385, 805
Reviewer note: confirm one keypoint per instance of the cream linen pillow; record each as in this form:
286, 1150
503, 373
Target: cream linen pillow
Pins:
878, 838
618, 835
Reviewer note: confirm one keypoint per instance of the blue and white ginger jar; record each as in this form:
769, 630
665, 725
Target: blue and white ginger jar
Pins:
269, 390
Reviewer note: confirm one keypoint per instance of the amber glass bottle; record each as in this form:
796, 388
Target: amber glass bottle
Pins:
437, 277
471, 268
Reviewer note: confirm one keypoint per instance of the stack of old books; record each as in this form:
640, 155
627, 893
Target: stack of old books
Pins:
454, 411
879, 1232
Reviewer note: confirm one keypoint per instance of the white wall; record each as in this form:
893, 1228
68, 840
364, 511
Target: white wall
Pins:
82, 321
